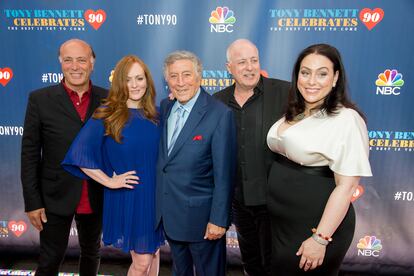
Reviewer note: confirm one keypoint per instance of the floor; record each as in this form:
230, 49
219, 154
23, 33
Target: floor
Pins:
109, 266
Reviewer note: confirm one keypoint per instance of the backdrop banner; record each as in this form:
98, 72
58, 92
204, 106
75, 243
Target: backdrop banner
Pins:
375, 39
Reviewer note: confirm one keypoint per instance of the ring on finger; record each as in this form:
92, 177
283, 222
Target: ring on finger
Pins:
308, 263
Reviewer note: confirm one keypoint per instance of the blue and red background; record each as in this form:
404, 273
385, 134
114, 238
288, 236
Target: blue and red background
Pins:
374, 37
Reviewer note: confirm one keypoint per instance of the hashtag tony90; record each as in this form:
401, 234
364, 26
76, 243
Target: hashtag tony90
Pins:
157, 19
403, 195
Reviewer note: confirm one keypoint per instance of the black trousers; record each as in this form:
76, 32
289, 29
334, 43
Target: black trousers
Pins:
254, 236
54, 241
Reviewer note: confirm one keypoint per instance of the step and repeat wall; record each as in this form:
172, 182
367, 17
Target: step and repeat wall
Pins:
374, 37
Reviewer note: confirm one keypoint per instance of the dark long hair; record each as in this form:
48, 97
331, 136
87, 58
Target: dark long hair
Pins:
114, 111
338, 95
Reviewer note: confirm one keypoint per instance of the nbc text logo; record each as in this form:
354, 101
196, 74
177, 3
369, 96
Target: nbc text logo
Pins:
369, 246
222, 20
389, 82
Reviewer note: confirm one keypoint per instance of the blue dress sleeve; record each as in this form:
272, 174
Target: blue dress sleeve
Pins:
87, 150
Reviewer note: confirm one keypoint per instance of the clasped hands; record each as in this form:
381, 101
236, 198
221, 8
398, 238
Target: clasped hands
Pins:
312, 254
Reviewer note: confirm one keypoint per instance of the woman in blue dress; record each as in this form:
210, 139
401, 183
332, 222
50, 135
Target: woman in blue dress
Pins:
118, 148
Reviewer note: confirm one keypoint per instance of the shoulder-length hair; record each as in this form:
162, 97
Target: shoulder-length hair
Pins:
114, 111
338, 95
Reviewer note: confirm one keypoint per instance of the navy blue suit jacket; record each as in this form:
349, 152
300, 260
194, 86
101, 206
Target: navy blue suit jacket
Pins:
194, 183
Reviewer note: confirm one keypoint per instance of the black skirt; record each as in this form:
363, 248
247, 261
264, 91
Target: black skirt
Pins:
296, 200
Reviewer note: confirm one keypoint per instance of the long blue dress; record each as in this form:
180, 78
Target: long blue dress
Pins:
128, 215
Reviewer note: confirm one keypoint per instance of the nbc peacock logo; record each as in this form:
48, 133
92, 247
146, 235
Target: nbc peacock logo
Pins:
369, 246
389, 82
222, 20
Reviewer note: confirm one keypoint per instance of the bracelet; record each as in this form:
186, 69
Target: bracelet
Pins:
326, 238
319, 240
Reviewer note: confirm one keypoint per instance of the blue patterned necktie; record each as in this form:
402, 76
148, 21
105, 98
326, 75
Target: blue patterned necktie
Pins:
179, 123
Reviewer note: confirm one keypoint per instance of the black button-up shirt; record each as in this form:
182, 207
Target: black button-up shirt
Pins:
249, 122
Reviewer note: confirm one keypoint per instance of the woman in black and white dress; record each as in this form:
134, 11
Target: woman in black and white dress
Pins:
321, 151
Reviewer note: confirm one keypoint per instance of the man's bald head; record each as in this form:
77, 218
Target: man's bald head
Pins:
76, 41
239, 44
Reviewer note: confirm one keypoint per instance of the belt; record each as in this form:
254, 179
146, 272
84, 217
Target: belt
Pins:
323, 171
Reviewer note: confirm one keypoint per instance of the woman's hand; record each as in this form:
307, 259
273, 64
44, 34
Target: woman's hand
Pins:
312, 253
116, 181
122, 181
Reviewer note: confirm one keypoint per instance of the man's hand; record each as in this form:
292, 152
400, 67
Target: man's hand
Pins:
214, 232
37, 218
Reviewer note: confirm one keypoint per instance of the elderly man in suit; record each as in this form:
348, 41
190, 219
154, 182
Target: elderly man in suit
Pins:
257, 103
52, 196
196, 164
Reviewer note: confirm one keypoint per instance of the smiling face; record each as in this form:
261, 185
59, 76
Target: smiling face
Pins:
77, 64
137, 85
244, 64
316, 78
183, 80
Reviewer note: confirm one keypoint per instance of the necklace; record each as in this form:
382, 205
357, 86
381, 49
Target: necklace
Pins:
318, 113
299, 117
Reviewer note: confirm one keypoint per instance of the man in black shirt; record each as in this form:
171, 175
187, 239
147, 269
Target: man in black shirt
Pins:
257, 103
